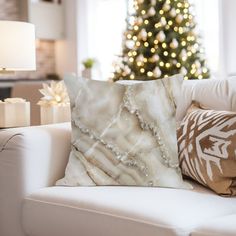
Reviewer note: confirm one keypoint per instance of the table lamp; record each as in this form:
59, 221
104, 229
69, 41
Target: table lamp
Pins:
17, 53
17, 46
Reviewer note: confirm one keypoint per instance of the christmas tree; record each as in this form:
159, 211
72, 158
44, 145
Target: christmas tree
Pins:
160, 41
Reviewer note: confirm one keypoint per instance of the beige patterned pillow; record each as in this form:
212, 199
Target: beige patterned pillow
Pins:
207, 148
123, 134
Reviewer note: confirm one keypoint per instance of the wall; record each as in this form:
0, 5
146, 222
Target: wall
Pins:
69, 53
228, 36
63, 56
67, 50
9, 10
45, 50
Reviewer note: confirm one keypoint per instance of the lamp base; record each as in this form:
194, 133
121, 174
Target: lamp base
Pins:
4, 71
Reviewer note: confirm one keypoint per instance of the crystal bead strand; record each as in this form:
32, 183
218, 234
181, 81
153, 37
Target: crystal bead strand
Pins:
154, 129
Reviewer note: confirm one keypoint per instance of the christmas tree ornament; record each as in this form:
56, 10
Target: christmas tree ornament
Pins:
183, 53
130, 44
143, 34
132, 20
204, 70
161, 36
126, 59
199, 71
127, 70
183, 71
139, 21
174, 44
140, 1
153, 2
157, 72
197, 63
163, 21
140, 58
166, 7
154, 58
179, 18
151, 11
172, 12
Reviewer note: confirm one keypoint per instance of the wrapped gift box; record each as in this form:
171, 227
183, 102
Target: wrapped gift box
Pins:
14, 113
55, 114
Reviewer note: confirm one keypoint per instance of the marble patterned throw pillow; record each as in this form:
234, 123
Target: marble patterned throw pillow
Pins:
123, 134
207, 148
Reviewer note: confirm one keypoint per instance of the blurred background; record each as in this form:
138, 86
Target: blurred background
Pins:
71, 31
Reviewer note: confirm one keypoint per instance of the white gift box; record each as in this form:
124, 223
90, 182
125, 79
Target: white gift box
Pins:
55, 114
14, 114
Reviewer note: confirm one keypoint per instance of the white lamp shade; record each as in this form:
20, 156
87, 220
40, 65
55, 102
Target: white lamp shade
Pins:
17, 46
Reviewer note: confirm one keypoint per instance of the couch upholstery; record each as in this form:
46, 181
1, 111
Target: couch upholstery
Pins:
214, 94
30, 159
121, 211
33, 158
225, 225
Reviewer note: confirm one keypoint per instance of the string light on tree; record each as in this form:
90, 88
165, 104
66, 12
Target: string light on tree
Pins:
153, 2
161, 40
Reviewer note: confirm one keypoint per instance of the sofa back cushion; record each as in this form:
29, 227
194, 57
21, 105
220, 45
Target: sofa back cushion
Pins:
232, 92
214, 94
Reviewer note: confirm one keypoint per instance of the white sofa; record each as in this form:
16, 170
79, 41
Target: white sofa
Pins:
32, 159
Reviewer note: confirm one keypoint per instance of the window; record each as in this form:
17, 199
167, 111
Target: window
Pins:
106, 24
207, 18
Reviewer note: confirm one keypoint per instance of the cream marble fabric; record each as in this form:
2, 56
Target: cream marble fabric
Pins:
123, 134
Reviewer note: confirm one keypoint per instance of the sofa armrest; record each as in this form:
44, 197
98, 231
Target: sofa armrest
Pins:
30, 158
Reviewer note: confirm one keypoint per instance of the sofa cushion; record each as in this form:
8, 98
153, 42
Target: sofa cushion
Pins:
123, 134
116, 211
232, 92
212, 93
207, 143
222, 226
30, 158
